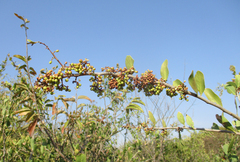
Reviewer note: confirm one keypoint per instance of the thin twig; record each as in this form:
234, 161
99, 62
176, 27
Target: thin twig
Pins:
170, 86
51, 52
190, 128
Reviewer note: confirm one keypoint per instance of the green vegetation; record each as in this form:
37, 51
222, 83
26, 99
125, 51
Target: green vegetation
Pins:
33, 129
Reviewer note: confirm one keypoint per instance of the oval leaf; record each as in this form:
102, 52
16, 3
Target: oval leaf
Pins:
81, 158
230, 89
237, 125
20, 57
215, 126
163, 123
176, 82
237, 80
181, 118
231, 144
225, 148
227, 124
189, 121
33, 72
32, 143
221, 119
164, 70
30, 116
199, 79
192, 82
232, 84
66, 124
80, 125
129, 61
212, 96
152, 118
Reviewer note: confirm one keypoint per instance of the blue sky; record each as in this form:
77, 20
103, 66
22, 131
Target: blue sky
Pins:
192, 35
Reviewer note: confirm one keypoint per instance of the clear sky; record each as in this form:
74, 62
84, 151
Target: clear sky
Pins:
192, 35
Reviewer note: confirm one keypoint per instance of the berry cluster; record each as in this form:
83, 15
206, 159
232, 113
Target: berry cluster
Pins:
51, 80
171, 92
148, 83
121, 79
118, 78
181, 89
97, 84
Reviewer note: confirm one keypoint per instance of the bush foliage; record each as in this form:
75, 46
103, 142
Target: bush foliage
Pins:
33, 129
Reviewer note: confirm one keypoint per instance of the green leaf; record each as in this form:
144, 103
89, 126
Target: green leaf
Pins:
20, 57
81, 105
134, 107
225, 149
81, 158
230, 89
30, 116
80, 125
29, 58
23, 67
130, 155
48, 105
152, 118
42, 149
237, 80
164, 70
32, 143
212, 96
66, 124
234, 123
163, 123
232, 84
137, 100
22, 110
176, 82
231, 144
33, 72
225, 122
233, 158
192, 82
237, 125
189, 121
181, 118
215, 126
129, 61
199, 79
3, 111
